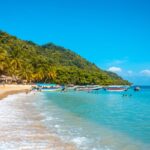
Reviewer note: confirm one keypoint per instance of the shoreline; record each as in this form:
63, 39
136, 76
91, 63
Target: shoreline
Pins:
6, 90
12, 92
19, 116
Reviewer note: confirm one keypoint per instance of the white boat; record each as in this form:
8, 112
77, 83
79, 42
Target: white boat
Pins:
71, 87
51, 89
88, 88
137, 88
116, 88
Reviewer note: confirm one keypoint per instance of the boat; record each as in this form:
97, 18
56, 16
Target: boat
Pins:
71, 87
116, 88
48, 87
51, 89
88, 88
137, 88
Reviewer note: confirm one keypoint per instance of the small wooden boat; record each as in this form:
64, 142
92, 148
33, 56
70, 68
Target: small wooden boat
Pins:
137, 88
116, 89
47, 87
88, 88
51, 89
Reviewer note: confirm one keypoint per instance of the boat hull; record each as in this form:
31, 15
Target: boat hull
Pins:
116, 89
50, 90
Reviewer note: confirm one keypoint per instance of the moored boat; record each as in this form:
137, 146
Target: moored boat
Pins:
137, 88
116, 88
51, 89
48, 87
88, 88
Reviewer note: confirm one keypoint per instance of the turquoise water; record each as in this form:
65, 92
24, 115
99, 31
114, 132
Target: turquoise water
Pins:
99, 120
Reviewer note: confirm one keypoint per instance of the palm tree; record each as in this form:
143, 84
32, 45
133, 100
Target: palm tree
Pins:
14, 67
3, 53
50, 73
39, 74
26, 73
16, 63
3, 59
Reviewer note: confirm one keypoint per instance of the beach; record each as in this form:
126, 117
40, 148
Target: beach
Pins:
21, 125
74, 120
9, 89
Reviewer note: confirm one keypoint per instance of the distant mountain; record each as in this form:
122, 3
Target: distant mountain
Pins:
49, 63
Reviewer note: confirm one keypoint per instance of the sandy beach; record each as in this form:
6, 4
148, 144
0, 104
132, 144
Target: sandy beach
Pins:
20, 129
7, 89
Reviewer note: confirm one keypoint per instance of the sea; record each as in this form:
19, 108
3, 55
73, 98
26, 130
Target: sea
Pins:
99, 120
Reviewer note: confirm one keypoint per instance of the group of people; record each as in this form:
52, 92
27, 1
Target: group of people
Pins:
127, 95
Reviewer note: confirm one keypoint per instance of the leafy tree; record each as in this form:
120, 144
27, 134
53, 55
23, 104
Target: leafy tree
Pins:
3, 59
49, 63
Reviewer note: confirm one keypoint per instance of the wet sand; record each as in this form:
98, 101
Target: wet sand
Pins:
22, 128
6, 90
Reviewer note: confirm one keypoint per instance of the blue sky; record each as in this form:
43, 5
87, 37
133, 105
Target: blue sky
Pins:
114, 34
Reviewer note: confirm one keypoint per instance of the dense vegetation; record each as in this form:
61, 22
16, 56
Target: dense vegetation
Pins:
49, 63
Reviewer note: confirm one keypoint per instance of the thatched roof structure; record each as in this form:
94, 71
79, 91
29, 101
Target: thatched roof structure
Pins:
7, 78
24, 81
3, 78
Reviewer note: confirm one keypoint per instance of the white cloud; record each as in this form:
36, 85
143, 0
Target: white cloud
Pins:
145, 72
115, 69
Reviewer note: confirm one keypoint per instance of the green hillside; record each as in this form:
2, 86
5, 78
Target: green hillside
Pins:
49, 63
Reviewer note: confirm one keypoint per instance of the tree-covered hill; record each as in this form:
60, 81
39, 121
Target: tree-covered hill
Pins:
49, 63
